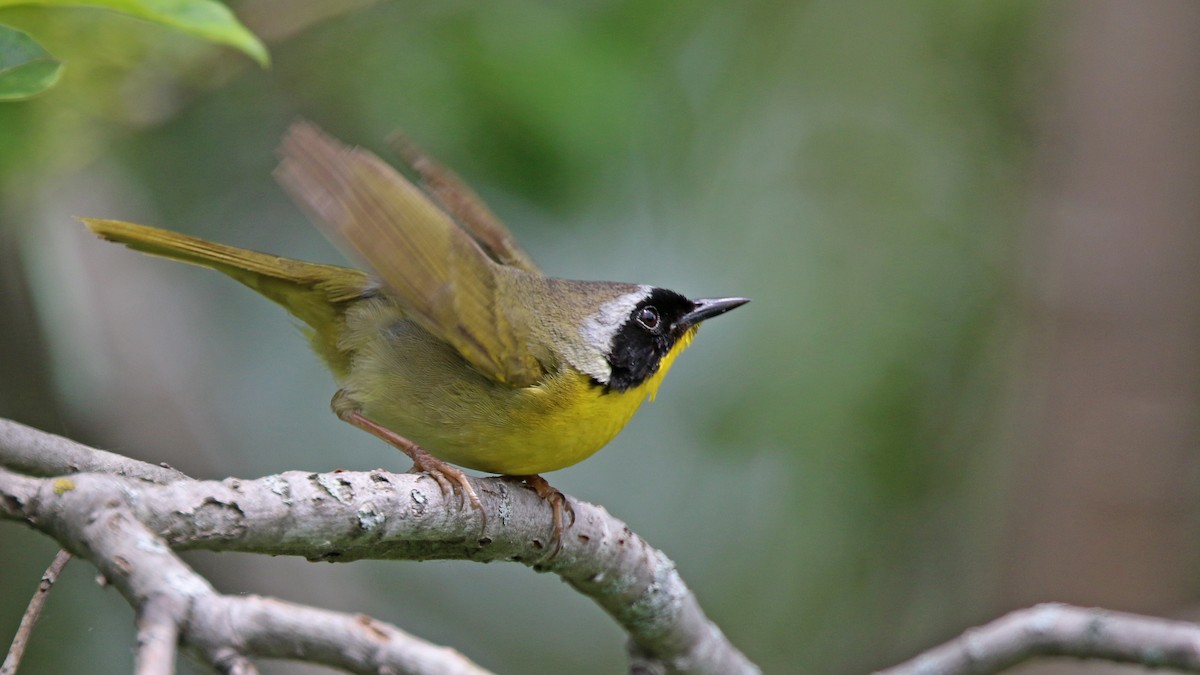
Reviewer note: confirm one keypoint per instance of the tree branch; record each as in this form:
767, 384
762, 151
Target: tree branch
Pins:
33, 612
346, 516
158, 622
174, 604
1053, 629
36, 453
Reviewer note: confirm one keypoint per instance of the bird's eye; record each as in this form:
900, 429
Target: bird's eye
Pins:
648, 317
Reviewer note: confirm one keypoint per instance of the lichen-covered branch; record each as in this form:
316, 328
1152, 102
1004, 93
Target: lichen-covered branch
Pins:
1062, 630
175, 605
346, 516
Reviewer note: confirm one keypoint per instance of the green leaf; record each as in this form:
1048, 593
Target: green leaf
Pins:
26, 69
207, 19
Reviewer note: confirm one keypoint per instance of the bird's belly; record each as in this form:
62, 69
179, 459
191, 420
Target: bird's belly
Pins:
542, 428
420, 388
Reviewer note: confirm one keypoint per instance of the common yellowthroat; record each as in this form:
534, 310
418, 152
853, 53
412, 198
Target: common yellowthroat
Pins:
455, 347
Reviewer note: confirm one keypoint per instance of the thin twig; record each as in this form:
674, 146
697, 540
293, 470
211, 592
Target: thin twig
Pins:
33, 612
1053, 629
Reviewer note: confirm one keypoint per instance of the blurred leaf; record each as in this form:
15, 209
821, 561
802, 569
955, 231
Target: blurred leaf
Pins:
206, 19
26, 69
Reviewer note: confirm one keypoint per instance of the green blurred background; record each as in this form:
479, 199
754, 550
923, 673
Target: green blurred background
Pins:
848, 470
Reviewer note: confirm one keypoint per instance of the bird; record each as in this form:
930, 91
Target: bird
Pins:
452, 345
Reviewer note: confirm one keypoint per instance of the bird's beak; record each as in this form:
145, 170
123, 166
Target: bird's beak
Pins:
707, 308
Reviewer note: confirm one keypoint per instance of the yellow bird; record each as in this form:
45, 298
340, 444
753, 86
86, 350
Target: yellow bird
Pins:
455, 348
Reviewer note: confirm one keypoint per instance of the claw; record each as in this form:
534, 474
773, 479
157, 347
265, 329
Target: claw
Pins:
558, 504
443, 473
443, 484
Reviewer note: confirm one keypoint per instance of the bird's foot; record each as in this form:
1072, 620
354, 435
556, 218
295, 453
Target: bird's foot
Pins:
559, 504
443, 473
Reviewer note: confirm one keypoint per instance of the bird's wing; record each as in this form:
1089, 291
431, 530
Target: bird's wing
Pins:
461, 202
429, 264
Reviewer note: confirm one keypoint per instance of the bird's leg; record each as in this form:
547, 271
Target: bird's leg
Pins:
558, 505
423, 462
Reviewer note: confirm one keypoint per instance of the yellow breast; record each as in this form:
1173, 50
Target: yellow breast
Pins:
559, 422
420, 388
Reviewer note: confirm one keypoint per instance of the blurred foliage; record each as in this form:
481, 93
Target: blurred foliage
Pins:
819, 465
207, 19
26, 69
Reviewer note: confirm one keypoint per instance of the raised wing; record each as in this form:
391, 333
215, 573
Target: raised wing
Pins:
429, 264
467, 208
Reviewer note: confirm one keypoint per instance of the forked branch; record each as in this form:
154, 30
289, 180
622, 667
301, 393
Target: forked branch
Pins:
130, 526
